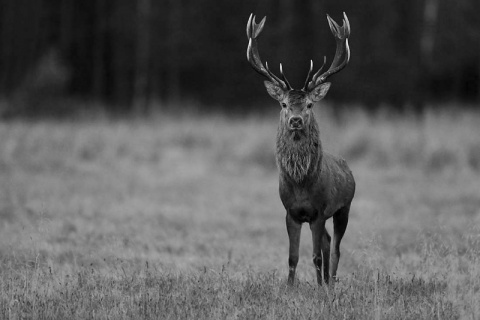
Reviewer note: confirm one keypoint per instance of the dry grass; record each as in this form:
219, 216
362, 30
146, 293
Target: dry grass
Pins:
179, 217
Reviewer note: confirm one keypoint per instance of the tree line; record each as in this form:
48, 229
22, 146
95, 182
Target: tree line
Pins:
132, 55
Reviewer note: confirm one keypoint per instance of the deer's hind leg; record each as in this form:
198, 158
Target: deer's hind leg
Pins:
340, 222
326, 255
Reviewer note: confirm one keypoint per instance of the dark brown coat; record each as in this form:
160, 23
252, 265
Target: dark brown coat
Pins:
314, 185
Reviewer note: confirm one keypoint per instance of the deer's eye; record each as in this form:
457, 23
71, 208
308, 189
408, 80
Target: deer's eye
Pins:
310, 105
284, 105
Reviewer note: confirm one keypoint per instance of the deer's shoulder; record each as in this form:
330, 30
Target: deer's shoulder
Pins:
336, 170
335, 163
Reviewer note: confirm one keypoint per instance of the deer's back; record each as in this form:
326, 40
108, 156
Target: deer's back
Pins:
331, 188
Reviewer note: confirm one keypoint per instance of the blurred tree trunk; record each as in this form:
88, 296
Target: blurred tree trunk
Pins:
66, 37
426, 48
121, 55
142, 56
99, 50
286, 27
35, 45
411, 18
173, 66
318, 25
427, 42
7, 19
24, 33
156, 66
21, 41
66, 21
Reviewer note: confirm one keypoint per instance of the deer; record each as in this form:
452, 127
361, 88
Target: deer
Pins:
314, 185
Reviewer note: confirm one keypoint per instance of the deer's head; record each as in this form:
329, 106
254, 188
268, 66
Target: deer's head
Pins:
296, 112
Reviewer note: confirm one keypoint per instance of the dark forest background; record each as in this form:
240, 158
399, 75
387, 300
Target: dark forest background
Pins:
133, 56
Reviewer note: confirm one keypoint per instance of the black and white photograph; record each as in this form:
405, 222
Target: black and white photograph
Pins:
257, 159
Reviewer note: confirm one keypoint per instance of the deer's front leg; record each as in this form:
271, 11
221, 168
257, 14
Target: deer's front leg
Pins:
293, 230
320, 242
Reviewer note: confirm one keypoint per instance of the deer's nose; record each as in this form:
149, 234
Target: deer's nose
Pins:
295, 122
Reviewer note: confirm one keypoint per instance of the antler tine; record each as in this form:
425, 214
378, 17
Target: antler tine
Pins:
315, 76
309, 79
347, 24
289, 87
308, 76
253, 31
249, 26
272, 75
341, 35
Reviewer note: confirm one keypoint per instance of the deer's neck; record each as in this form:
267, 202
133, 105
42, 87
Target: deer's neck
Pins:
299, 154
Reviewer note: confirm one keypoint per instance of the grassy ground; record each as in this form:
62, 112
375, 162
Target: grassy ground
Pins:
179, 217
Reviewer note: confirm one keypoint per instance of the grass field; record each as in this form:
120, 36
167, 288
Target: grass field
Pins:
178, 217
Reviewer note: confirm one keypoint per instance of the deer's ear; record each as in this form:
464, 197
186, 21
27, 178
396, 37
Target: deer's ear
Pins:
275, 91
319, 92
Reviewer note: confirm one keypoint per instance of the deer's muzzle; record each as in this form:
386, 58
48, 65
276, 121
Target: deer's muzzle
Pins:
295, 122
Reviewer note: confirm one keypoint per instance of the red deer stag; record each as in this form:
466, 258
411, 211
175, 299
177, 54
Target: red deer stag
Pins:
314, 185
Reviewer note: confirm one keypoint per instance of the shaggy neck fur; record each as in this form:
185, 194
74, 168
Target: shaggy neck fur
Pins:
298, 154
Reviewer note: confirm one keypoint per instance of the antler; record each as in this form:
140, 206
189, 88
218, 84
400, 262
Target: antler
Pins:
341, 35
253, 31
